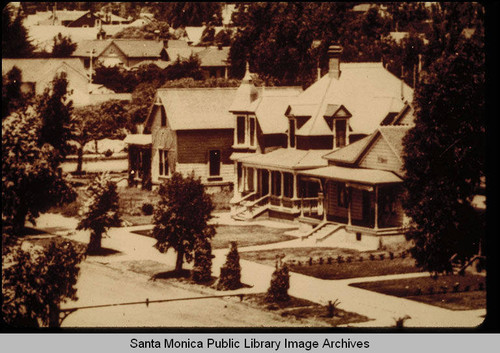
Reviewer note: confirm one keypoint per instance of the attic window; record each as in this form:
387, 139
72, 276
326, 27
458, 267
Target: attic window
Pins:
291, 133
340, 132
245, 133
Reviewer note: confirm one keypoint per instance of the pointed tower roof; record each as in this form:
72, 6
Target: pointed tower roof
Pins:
246, 97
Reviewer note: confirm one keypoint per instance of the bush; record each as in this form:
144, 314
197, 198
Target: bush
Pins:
108, 153
230, 272
332, 307
147, 209
202, 269
280, 282
391, 255
340, 259
372, 257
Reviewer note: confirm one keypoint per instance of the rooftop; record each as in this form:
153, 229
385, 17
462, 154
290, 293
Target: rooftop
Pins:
35, 69
356, 175
284, 158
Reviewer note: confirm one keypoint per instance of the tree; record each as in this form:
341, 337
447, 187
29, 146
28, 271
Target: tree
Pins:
37, 281
54, 109
230, 272
445, 154
101, 211
142, 99
12, 96
115, 78
154, 30
202, 269
280, 282
181, 216
182, 14
182, 68
31, 181
63, 46
15, 43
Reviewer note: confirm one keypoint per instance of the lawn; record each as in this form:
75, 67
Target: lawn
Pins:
453, 292
243, 235
324, 262
301, 309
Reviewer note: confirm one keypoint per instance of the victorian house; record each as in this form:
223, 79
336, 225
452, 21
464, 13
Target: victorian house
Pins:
340, 111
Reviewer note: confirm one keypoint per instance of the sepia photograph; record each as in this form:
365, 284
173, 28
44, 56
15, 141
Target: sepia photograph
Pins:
244, 165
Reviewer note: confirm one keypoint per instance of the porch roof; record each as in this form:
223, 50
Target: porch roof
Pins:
284, 158
357, 175
138, 139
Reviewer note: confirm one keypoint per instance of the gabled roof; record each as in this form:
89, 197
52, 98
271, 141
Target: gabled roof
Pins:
86, 46
355, 175
270, 111
132, 48
285, 158
394, 135
213, 56
34, 69
196, 108
367, 90
351, 152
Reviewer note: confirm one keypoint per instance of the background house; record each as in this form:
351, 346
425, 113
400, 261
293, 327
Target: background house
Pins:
38, 73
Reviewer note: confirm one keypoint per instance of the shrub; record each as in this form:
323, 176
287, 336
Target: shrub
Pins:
108, 153
280, 282
403, 254
399, 323
456, 287
431, 290
147, 209
349, 259
310, 261
480, 286
419, 291
230, 272
467, 288
329, 260
391, 255
332, 307
381, 256
321, 261
202, 269
340, 259
444, 289
361, 259
372, 257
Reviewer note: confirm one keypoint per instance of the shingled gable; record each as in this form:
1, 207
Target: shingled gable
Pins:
195, 108
131, 48
33, 70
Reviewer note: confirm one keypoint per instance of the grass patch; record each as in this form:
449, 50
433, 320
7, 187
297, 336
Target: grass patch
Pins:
301, 309
453, 292
221, 200
243, 235
325, 264
131, 201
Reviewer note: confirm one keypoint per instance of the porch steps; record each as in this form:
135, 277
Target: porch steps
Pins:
246, 214
326, 231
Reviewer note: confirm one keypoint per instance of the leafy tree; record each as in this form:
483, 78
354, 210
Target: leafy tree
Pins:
280, 282
230, 272
37, 281
185, 68
63, 46
54, 109
148, 31
142, 99
31, 182
12, 96
182, 14
15, 43
224, 37
181, 216
115, 78
202, 269
445, 154
207, 36
101, 211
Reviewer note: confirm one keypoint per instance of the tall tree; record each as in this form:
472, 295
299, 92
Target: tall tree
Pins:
445, 152
31, 182
55, 109
63, 46
181, 216
230, 272
35, 282
15, 43
12, 96
101, 211
182, 14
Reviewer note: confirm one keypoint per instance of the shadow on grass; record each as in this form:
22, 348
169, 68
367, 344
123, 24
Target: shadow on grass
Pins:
103, 252
171, 274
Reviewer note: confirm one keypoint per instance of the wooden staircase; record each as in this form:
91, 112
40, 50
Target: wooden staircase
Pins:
322, 231
250, 207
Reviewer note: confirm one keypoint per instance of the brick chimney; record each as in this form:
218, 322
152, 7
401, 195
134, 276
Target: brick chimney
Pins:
334, 53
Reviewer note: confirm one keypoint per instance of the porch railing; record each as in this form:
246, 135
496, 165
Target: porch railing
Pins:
312, 207
284, 202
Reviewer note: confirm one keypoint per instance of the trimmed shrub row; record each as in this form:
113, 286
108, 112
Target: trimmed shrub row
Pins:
348, 259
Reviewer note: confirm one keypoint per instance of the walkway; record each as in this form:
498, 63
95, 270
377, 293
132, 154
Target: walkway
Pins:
382, 309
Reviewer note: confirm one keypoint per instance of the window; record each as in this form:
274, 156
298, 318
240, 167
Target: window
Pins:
163, 162
251, 124
291, 133
240, 130
214, 163
288, 185
340, 133
163, 117
342, 195
276, 184
246, 127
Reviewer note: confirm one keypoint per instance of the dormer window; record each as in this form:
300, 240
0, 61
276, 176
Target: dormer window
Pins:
340, 133
292, 138
246, 127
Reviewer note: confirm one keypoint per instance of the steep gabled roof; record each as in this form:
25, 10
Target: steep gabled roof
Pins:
350, 154
139, 48
394, 135
86, 46
287, 159
367, 90
196, 108
33, 70
271, 108
213, 56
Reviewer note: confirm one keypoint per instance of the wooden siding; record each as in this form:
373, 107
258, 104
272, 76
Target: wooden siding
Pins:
113, 51
202, 170
380, 156
162, 138
193, 146
314, 142
357, 203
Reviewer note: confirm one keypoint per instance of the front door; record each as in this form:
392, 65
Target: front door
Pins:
264, 180
367, 209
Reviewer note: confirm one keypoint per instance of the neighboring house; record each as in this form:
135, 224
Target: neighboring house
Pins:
213, 60
126, 52
342, 107
67, 18
38, 73
187, 130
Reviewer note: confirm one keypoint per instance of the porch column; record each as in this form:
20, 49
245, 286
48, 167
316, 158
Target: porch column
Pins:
282, 188
376, 206
349, 204
255, 180
324, 190
295, 182
270, 183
